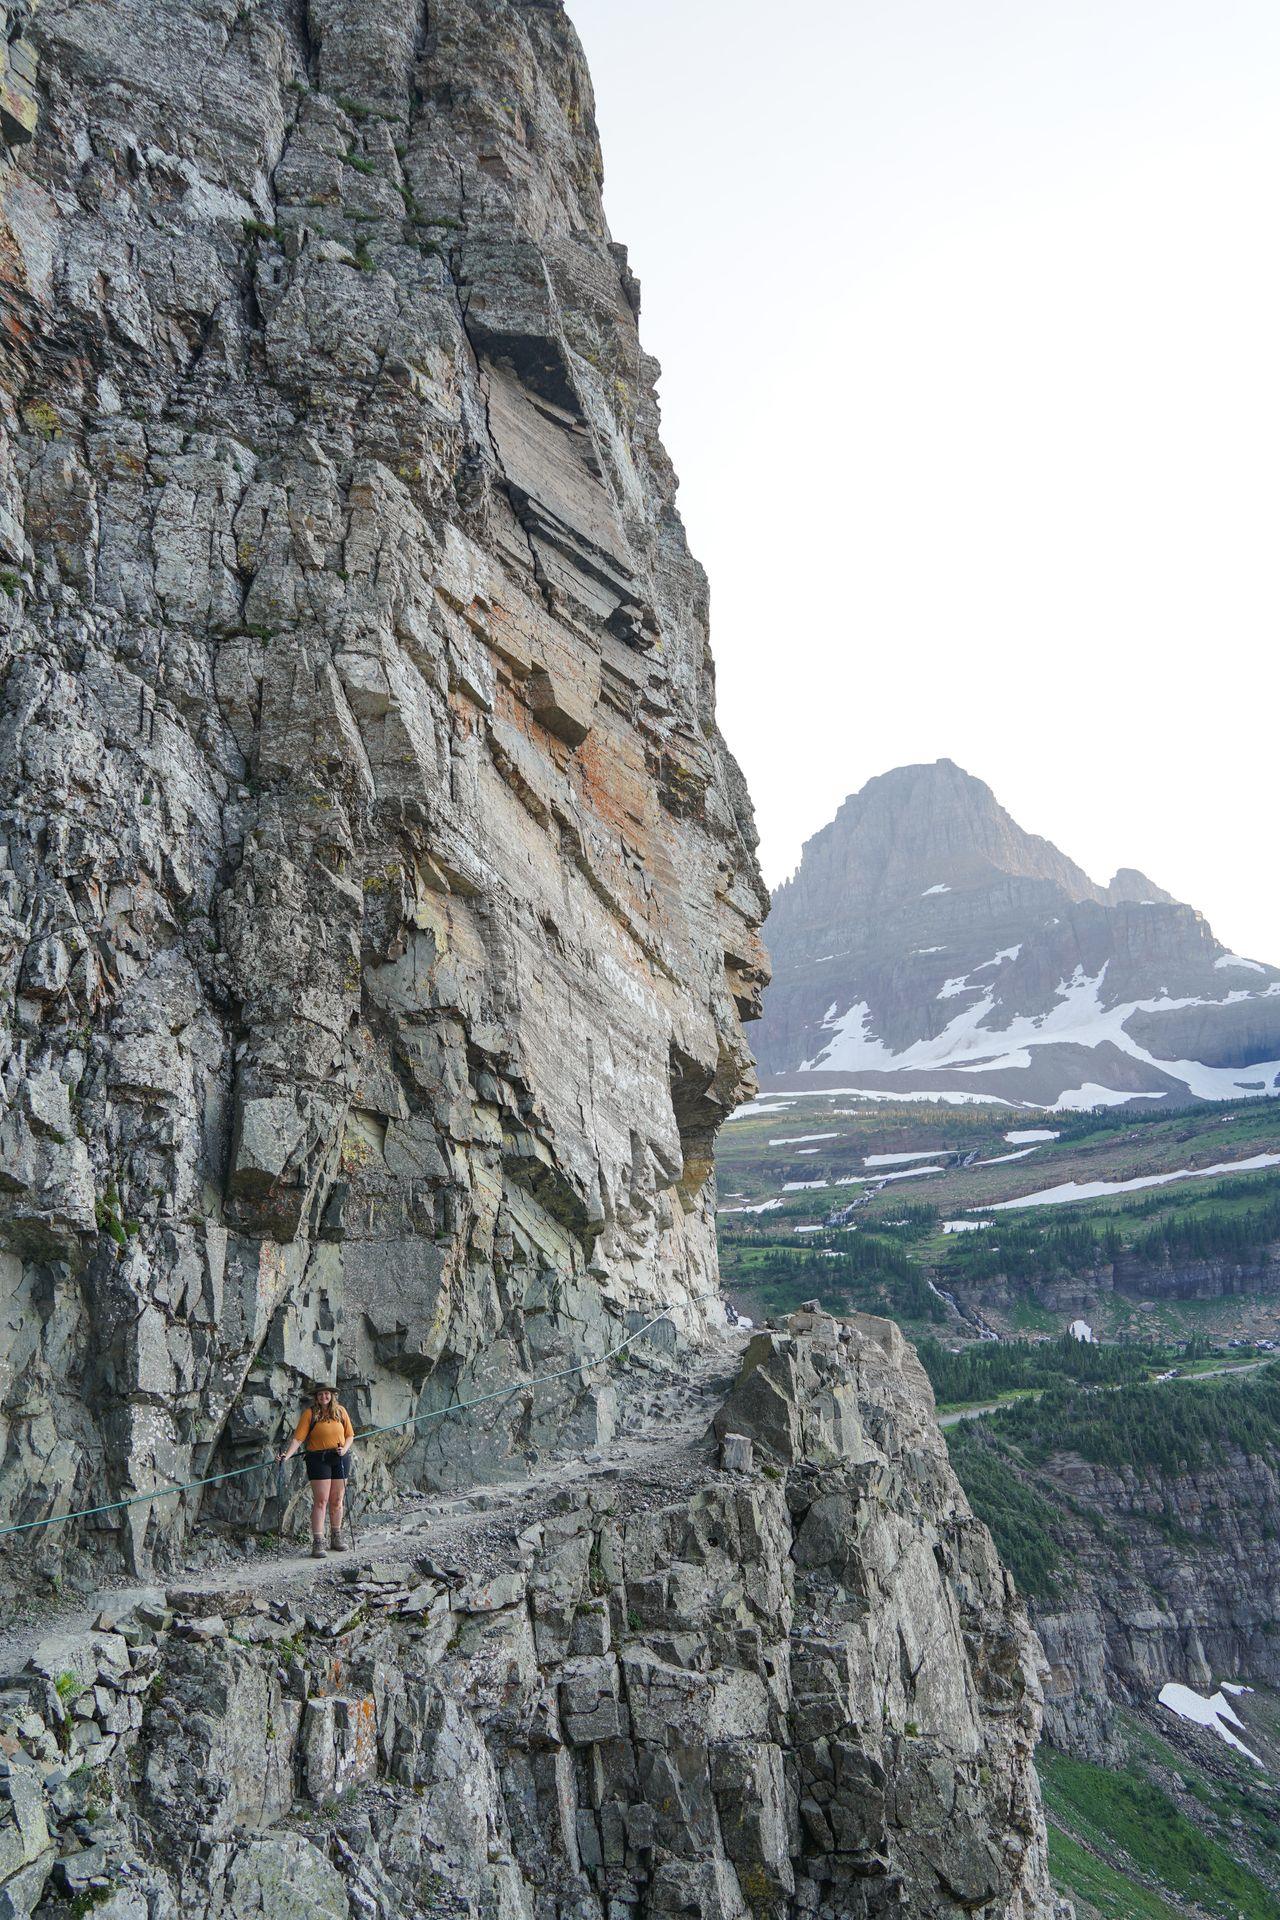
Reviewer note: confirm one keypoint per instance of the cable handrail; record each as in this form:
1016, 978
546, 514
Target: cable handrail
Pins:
366, 1433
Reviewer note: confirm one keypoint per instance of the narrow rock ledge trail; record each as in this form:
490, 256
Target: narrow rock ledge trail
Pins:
757, 1658
667, 1422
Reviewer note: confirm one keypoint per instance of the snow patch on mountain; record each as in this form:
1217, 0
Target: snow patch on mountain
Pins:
1100, 1189
1213, 1713
898, 1159
1078, 1017
1091, 1094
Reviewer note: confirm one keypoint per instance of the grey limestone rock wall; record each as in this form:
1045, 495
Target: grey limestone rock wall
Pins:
796, 1683
377, 899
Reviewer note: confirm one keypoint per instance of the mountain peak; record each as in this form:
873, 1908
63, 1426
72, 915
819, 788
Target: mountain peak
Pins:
1130, 883
927, 939
925, 826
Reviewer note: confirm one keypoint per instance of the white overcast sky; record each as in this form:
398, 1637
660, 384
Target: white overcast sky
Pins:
969, 317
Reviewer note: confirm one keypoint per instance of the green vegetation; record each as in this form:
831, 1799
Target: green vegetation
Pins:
1238, 1807
811, 1160
868, 1273
1027, 1249
1175, 1428
1014, 1511
1213, 1231
87, 1899
1125, 1818
1079, 1873
1216, 1223
982, 1372
68, 1686
1172, 1429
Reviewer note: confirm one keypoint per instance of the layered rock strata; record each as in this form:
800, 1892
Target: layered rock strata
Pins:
377, 899
796, 1683
1166, 1576
1113, 1283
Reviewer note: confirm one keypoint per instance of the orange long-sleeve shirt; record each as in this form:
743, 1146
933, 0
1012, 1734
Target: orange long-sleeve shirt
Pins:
319, 1434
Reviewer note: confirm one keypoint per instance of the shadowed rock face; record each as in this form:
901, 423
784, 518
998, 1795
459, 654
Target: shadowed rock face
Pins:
926, 942
378, 911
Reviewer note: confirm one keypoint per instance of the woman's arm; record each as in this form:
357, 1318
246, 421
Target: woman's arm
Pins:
300, 1433
348, 1431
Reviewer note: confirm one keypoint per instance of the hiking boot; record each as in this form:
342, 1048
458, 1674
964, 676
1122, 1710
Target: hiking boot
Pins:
317, 1547
335, 1540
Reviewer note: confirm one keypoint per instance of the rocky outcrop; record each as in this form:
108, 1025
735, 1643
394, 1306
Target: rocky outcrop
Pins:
796, 1682
1128, 1278
377, 920
1166, 1576
927, 943
377, 905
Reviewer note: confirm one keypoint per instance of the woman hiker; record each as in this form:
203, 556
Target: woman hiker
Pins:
325, 1430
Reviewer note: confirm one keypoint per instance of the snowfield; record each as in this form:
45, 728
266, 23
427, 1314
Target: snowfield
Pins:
1077, 1018
1215, 1713
1022, 1134
897, 1159
1099, 1189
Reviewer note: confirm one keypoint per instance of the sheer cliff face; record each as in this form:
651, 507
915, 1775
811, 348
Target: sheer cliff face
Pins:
379, 911
1143, 1608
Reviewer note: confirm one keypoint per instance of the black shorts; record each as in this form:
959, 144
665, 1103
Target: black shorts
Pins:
326, 1463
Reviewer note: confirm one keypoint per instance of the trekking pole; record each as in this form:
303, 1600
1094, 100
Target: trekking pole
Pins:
282, 1495
350, 1516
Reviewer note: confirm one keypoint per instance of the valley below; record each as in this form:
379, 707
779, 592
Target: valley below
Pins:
1096, 1299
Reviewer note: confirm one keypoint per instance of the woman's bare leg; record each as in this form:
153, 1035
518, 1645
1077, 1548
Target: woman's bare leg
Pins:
319, 1502
337, 1490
